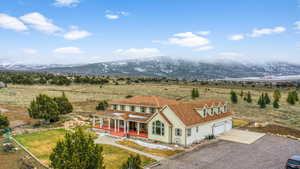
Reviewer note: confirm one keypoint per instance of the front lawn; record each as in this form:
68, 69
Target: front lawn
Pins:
157, 152
41, 144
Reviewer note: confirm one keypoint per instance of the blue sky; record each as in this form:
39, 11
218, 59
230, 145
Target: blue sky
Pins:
86, 31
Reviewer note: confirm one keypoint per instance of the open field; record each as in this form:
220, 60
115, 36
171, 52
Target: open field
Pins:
157, 152
86, 97
42, 143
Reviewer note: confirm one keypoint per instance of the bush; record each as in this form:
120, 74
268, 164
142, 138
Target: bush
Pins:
102, 105
210, 137
4, 122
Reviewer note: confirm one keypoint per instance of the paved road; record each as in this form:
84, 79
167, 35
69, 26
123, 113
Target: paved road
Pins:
111, 141
269, 152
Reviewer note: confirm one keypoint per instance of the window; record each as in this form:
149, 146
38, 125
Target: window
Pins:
132, 108
219, 110
189, 132
177, 132
212, 111
158, 128
143, 109
115, 107
122, 107
152, 110
225, 108
197, 129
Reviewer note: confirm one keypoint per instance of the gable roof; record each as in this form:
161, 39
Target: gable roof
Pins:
187, 113
155, 101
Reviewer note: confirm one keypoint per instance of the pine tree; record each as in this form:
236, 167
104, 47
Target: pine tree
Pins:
248, 98
233, 97
267, 99
133, 162
102, 105
77, 151
276, 95
261, 101
295, 95
242, 93
64, 106
195, 93
291, 98
275, 104
4, 122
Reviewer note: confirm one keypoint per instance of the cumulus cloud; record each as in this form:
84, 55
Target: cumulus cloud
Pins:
204, 48
29, 51
267, 31
115, 15
138, 52
10, 22
68, 50
237, 37
40, 22
297, 25
204, 33
76, 34
188, 39
66, 3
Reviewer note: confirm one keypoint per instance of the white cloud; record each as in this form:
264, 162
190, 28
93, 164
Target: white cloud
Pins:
237, 37
110, 16
138, 52
30, 51
297, 25
76, 34
40, 22
204, 33
267, 31
66, 3
115, 15
204, 48
68, 50
230, 54
10, 22
188, 39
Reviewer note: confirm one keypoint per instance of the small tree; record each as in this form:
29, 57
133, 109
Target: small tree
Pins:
195, 93
233, 97
291, 98
275, 104
276, 95
64, 106
261, 101
267, 99
248, 98
133, 162
242, 93
295, 95
77, 151
102, 105
4, 122
44, 107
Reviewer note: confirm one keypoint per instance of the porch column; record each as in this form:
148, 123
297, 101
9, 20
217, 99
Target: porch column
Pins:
127, 123
138, 128
101, 122
108, 123
115, 123
124, 125
118, 125
94, 121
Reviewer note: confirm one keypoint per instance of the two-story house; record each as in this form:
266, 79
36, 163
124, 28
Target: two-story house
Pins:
164, 120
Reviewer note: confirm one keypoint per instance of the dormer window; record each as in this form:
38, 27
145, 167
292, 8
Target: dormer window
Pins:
143, 109
212, 111
204, 113
219, 110
115, 107
123, 107
152, 110
132, 108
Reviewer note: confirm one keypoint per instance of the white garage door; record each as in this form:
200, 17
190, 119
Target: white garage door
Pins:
218, 128
228, 125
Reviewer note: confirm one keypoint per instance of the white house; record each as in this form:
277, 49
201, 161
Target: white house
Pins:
165, 120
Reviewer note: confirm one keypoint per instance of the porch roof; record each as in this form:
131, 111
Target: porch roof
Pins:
124, 115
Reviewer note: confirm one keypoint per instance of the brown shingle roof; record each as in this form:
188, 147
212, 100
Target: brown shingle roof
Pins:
155, 101
186, 112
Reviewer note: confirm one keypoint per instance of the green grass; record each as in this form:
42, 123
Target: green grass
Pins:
42, 143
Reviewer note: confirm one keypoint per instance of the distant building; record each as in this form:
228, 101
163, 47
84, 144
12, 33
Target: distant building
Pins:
3, 85
164, 120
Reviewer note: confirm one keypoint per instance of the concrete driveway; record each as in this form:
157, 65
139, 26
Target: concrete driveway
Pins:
241, 136
269, 152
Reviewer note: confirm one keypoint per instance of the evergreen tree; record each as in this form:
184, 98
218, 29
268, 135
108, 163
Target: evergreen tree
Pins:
242, 93
248, 98
195, 93
64, 106
233, 97
261, 101
102, 105
267, 99
4, 122
275, 104
77, 151
133, 162
295, 95
276, 95
291, 98
44, 107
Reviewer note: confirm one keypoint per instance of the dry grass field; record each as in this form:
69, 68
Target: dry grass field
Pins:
86, 97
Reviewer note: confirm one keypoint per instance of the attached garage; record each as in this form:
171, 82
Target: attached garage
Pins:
219, 128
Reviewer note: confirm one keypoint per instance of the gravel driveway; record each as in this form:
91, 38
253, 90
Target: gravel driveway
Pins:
269, 152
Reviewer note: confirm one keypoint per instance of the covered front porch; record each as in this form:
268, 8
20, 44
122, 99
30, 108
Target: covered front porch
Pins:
120, 127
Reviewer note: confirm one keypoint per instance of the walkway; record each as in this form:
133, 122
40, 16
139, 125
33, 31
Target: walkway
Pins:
241, 136
111, 141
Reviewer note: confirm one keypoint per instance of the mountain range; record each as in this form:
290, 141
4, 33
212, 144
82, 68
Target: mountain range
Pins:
170, 68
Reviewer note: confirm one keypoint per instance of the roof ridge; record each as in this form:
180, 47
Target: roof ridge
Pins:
157, 102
